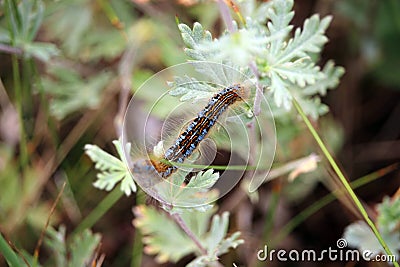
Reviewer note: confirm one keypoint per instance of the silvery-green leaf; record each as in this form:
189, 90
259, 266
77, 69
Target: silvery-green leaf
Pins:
359, 235
112, 169
282, 96
330, 80
301, 72
280, 15
309, 40
389, 214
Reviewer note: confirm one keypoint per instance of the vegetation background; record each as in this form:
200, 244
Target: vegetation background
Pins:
63, 77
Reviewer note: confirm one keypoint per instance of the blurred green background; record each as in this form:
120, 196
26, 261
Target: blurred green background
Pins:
62, 72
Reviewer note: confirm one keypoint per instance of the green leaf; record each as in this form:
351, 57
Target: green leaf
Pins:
198, 221
306, 41
203, 180
37, 21
293, 64
69, 22
329, 80
194, 37
26, 18
290, 66
82, 248
96, 46
195, 195
260, 14
216, 241
41, 51
71, 92
280, 15
80, 251
305, 93
282, 96
55, 241
389, 214
219, 227
8, 253
300, 72
245, 45
313, 106
360, 236
190, 89
162, 236
113, 170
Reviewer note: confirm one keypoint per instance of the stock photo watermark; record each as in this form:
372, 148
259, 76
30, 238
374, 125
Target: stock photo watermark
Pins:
338, 253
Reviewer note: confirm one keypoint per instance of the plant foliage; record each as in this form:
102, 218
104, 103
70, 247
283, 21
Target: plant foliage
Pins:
79, 251
165, 239
287, 65
359, 234
71, 92
112, 170
25, 19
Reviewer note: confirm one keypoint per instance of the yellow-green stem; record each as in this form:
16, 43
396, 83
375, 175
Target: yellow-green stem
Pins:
303, 215
343, 179
99, 211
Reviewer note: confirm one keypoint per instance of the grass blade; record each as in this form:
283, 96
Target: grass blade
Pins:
342, 179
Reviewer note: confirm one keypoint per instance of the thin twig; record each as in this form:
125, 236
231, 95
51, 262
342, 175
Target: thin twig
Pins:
10, 49
53, 208
319, 204
182, 224
259, 92
226, 16
8, 248
55, 160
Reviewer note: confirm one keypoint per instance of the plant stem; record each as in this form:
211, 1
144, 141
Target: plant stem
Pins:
214, 167
99, 211
303, 215
10, 256
269, 218
259, 92
18, 104
342, 179
11, 10
137, 248
226, 15
110, 13
178, 219
10, 50
53, 208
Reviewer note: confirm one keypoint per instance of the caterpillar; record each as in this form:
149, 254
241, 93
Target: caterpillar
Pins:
197, 130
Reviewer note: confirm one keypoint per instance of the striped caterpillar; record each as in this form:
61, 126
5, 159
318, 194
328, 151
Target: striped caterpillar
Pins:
196, 131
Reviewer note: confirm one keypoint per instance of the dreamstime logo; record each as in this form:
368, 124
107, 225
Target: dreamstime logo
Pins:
340, 253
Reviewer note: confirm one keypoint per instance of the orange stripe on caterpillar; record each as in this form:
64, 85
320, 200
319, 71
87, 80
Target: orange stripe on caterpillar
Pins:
198, 129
